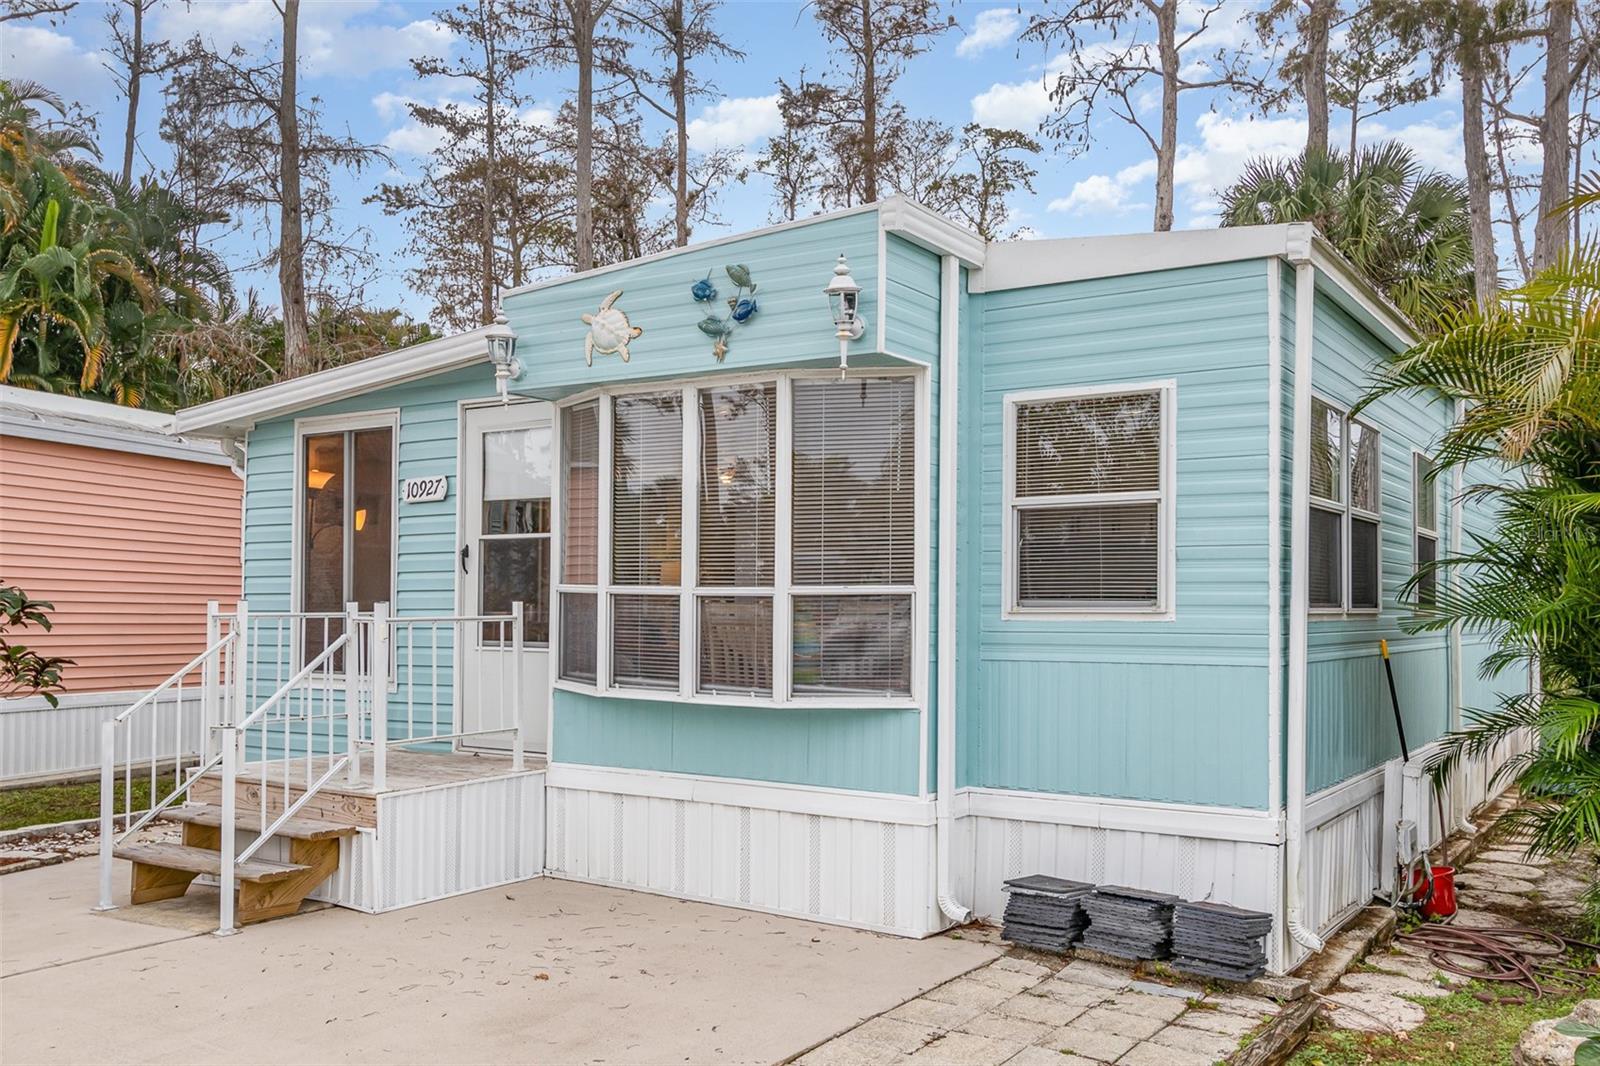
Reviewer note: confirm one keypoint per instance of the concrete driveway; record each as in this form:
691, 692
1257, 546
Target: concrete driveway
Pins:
545, 971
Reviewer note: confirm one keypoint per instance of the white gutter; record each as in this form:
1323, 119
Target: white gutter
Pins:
1305, 281
949, 322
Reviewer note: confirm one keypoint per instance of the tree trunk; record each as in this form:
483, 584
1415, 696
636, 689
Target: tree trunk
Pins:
486, 208
1167, 152
1355, 123
680, 106
1550, 229
135, 76
869, 107
291, 227
1314, 79
583, 165
1485, 264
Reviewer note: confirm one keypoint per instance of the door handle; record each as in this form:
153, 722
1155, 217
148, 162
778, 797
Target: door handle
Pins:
464, 550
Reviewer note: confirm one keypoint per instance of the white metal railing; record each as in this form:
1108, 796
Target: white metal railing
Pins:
159, 716
369, 682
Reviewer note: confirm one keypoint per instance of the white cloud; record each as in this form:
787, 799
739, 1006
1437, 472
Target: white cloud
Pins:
1437, 147
35, 53
1018, 105
414, 138
736, 122
1106, 193
990, 29
333, 43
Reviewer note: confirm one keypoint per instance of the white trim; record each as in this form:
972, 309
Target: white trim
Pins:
383, 418
233, 415
1274, 534
1166, 606
1322, 807
882, 287
930, 230
740, 792
1299, 587
70, 420
1139, 816
1024, 264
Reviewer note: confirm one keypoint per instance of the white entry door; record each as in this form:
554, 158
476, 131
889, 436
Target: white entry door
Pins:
506, 475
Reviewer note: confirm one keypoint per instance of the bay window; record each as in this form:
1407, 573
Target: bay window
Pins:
1345, 529
749, 540
346, 534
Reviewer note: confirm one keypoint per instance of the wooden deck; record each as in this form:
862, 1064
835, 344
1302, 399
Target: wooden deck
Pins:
344, 803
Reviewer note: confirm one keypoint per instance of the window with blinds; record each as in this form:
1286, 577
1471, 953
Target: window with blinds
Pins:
647, 489
854, 518
820, 608
1345, 543
854, 482
1425, 508
1088, 499
578, 588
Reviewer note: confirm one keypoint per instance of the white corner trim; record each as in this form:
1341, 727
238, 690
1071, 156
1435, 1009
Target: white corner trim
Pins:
1135, 816
929, 229
234, 413
738, 792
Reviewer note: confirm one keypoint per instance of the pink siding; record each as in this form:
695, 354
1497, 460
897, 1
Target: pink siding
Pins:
128, 547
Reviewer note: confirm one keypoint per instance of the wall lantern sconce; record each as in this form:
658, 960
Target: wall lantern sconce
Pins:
844, 299
503, 353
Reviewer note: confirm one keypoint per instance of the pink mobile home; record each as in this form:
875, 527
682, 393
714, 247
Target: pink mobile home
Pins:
128, 531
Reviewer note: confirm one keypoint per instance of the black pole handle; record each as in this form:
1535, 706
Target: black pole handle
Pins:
1394, 699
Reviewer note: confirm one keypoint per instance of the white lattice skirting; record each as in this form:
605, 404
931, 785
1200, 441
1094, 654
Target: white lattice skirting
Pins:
847, 858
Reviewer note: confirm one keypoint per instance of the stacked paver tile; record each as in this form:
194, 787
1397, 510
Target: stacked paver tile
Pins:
1045, 912
1215, 940
1129, 922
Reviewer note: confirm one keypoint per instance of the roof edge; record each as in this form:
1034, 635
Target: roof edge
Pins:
235, 414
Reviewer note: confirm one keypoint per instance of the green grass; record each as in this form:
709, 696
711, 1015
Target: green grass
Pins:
64, 803
1460, 1031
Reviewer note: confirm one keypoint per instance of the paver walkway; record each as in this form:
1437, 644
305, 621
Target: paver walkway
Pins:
1500, 887
1030, 1010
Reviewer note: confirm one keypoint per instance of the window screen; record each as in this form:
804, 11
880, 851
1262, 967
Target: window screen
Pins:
1327, 555
1364, 592
580, 506
852, 645
736, 645
738, 485
1087, 501
644, 649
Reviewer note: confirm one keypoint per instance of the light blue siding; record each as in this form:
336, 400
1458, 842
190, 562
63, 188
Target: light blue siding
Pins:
867, 750
1172, 711
1350, 720
791, 328
425, 534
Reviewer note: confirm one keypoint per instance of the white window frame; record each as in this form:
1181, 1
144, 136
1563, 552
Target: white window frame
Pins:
1418, 530
1348, 511
783, 592
1165, 608
388, 418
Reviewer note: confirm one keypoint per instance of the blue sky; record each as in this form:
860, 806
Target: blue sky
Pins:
355, 57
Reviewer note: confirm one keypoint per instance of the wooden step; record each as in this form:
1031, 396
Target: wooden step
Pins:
249, 821
266, 889
196, 861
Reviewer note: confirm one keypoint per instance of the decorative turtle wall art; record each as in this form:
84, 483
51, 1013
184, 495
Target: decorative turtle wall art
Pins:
609, 331
741, 307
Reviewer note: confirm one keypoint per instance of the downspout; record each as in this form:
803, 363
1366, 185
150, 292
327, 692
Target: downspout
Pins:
945, 772
1305, 280
1458, 783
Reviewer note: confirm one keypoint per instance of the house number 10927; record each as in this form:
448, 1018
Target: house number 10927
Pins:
425, 489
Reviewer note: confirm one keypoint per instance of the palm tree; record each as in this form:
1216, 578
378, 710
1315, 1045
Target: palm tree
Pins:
1527, 370
1405, 227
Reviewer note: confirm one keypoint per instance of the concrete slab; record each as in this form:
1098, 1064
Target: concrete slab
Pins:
546, 970
966, 1049
1091, 1044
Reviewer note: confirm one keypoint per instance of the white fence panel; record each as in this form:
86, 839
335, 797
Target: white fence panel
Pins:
40, 743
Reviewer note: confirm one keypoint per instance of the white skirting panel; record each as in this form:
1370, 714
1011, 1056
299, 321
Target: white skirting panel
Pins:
835, 857
438, 842
1241, 872
40, 743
